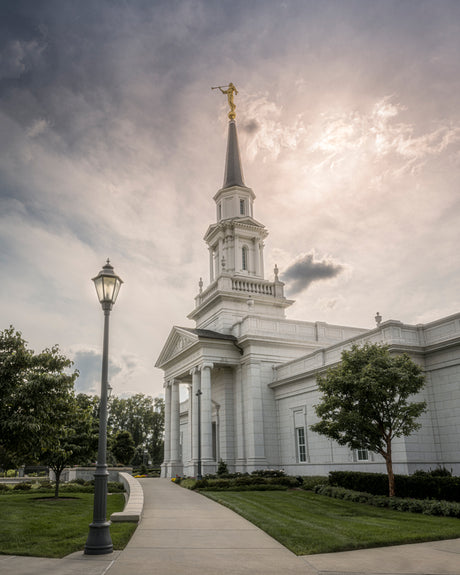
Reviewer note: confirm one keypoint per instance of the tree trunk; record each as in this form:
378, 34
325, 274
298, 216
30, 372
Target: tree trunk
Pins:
391, 477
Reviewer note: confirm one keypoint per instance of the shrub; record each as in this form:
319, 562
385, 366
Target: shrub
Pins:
435, 484
310, 482
444, 508
22, 487
115, 487
4, 487
222, 468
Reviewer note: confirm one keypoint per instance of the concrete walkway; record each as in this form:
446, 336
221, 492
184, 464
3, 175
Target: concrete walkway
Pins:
184, 533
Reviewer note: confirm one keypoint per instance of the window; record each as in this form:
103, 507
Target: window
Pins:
242, 207
301, 444
244, 258
362, 454
219, 211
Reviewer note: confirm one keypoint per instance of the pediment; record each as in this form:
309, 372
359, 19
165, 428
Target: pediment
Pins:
179, 340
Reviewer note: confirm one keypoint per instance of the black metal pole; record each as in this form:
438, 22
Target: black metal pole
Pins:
99, 541
199, 393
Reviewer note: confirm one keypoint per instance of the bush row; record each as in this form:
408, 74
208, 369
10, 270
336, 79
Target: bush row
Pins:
420, 485
427, 507
74, 487
253, 482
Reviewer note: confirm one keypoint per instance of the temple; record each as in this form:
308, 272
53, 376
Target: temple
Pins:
250, 373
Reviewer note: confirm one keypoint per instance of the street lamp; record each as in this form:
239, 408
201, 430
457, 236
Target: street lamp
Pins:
99, 541
199, 393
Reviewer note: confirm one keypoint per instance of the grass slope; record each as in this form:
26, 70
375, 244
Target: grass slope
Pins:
41, 526
307, 523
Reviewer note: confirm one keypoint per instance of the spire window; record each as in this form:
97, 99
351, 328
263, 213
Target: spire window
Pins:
242, 207
244, 258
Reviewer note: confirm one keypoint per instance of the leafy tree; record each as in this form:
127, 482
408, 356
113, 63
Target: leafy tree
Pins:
76, 442
143, 417
365, 402
36, 391
123, 447
155, 444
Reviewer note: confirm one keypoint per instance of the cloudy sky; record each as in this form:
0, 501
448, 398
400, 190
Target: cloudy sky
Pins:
113, 144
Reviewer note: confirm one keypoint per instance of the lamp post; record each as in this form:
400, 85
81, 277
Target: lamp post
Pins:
99, 541
199, 393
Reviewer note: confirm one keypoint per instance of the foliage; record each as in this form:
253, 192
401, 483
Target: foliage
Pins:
428, 507
311, 481
308, 523
122, 447
143, 417
222, 468
76, 442
258, 481
420, 485
365, 401
35, 393
47, 527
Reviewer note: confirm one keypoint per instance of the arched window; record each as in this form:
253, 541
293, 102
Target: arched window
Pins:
244, 258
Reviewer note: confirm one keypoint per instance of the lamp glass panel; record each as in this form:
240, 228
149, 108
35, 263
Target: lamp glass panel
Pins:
99, 283
116, 289
109, 288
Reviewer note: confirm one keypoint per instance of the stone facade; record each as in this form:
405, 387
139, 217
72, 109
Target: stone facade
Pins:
250, 373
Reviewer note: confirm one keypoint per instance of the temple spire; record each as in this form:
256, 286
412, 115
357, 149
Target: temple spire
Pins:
233, 171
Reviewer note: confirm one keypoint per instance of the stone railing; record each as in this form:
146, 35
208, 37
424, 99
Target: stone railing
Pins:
253, 286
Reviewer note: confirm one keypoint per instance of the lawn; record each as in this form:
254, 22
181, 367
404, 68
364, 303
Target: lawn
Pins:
307, 523
39, 525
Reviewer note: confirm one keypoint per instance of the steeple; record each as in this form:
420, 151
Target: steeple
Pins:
236, 251
233, 170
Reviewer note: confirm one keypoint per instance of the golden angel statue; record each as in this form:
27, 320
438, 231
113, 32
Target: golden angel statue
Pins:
231, 89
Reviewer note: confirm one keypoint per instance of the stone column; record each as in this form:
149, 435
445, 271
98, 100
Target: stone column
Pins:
206, 419
167, 442
175, 427
211, 265
239, 421
191, 416
254, 417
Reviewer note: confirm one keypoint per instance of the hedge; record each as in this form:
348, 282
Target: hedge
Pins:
420, 485
427, 507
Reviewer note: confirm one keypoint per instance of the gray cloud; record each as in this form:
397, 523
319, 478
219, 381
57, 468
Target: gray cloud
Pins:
251, 126
89, 364
306, 270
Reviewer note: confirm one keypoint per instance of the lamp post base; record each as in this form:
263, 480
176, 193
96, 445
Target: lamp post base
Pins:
99, 541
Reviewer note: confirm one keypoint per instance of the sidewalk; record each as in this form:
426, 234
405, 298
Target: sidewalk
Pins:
184, 533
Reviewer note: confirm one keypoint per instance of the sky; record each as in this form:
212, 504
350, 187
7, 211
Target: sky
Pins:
113, 146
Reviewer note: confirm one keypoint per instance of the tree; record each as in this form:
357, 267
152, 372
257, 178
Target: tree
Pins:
36, 391
143, 417
76, 442
123, 447
155, 444
365, 402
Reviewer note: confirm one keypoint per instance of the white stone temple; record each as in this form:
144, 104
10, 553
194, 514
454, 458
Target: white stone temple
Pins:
250, 373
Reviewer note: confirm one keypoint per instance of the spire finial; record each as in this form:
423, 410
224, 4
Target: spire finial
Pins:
231, 89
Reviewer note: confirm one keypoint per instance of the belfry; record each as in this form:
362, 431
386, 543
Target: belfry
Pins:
250, 373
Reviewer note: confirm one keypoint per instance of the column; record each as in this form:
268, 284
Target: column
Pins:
254, 417
175, 423
195, 387
239, 420
211, 265
206, 418
167, 442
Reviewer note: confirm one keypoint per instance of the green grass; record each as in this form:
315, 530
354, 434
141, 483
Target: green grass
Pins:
36, 524
307, 523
